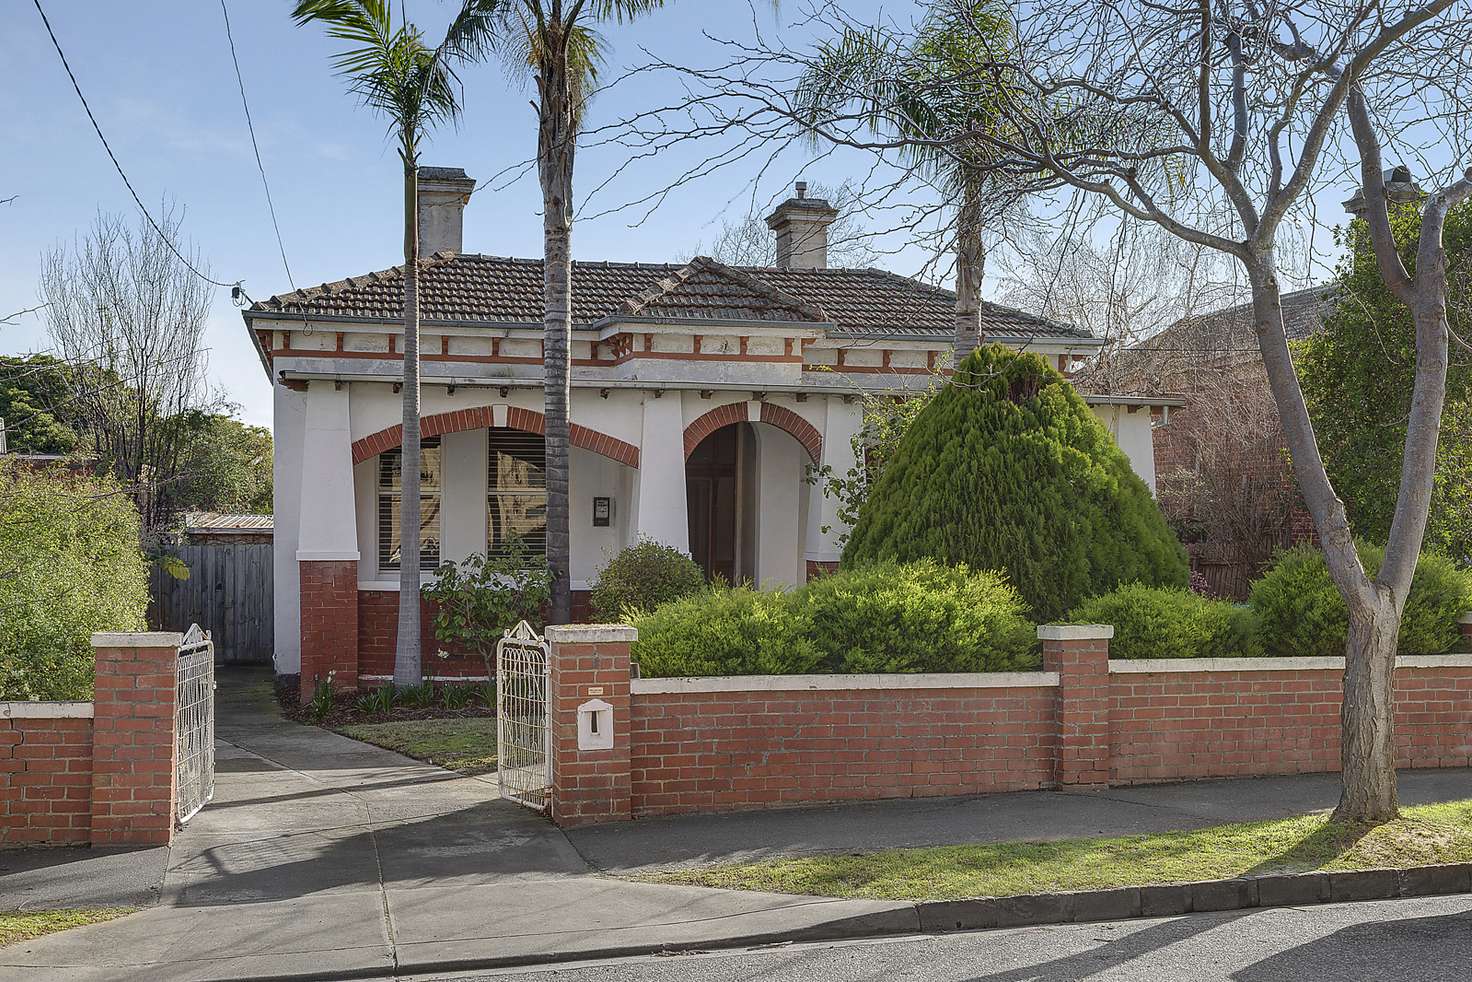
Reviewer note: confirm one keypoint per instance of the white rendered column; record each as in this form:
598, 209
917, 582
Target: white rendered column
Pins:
288, 415
659, 491
327, 512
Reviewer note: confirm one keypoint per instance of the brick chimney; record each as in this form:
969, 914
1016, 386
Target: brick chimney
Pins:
1399, 190
443, 194
801, 224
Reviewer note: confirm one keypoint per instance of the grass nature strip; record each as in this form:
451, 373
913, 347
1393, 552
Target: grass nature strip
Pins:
23, 925
1423, 835
466, 745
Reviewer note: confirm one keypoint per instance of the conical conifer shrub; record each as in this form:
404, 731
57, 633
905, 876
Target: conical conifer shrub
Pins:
1009, 469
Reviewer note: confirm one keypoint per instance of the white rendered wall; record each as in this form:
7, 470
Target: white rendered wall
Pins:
1132, 432
594, 475
328, 529
659, 506
841, 423
288, 410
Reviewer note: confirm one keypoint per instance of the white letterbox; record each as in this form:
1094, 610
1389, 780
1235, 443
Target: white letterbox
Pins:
595, 725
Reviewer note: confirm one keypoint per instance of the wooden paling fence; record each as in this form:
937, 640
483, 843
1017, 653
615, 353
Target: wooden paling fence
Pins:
229, 588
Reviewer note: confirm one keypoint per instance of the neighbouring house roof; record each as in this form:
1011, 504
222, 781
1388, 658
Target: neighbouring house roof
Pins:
209, 522
470, 289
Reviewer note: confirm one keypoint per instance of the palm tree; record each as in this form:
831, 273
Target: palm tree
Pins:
395, 73
555, 40
922, 89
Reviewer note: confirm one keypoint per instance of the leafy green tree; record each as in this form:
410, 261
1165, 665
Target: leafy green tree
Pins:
69, 566
399, 76
1358, 374
36, 404
228, 468
1006, 468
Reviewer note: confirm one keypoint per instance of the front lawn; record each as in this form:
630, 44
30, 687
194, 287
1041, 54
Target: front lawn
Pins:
23, 925
1424, 835
466, 744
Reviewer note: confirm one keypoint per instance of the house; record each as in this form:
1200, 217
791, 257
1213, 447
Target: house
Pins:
209, 528
701, 395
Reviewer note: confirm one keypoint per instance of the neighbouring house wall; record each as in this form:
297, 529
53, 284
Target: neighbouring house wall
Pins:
1132, 429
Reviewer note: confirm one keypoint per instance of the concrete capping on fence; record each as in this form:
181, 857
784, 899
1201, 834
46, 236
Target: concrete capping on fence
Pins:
45, 710
808, 683
1142, 666
137, 639
1075, 632
1465, 618
591, 633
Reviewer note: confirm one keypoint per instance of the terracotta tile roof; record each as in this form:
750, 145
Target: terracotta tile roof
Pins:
471, 288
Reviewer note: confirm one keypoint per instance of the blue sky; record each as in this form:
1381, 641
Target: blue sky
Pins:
159, 77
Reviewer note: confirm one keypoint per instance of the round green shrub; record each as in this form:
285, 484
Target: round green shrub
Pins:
1008, 469
1164, 622
919, 617
641, 578
726, 631
1300, 612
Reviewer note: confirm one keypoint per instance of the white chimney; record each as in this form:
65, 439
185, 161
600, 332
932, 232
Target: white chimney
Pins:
801, 224
443, 194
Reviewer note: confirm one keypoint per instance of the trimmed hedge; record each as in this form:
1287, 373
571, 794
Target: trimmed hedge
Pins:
1301, 613
917, 617
642, 577
1160, 622
69, 550
1007, 468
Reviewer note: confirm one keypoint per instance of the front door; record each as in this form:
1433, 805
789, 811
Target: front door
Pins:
710, 496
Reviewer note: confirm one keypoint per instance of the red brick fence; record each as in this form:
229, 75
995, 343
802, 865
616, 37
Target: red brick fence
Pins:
723, 744
102, 771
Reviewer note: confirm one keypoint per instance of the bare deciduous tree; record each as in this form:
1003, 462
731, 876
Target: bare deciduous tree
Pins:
128, 317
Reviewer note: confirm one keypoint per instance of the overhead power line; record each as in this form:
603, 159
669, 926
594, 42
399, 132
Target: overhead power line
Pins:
113, 157
251, 126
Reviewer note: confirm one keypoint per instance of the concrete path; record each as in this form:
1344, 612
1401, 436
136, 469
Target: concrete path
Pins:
322, 857
670, 843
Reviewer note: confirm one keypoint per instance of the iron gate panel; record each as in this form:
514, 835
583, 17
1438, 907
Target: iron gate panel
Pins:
523, 730
194, 724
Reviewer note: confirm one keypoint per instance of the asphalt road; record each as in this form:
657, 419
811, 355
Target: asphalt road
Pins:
1389, 941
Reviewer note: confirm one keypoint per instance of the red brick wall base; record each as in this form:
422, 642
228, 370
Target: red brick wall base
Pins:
46, 781
329, 625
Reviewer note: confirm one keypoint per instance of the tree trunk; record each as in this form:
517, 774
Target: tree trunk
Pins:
407, 662
970, 267
555, 162
1368, 715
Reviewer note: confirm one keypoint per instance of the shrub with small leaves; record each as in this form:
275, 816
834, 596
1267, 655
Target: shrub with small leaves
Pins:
1163, 622
477, 600
641, 578
726, 631
1302, 613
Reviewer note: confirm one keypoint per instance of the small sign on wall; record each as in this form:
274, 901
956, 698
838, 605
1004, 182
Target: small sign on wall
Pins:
602, 512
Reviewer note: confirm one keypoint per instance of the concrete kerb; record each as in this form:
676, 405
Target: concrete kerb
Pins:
941, 916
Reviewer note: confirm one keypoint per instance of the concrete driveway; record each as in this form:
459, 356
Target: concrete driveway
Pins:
322, 857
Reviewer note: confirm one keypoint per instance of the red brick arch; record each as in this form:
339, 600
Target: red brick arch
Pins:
781, 417
482, 417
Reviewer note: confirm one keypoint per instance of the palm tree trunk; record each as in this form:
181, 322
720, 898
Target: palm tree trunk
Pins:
555, 162
970, 267
407, 668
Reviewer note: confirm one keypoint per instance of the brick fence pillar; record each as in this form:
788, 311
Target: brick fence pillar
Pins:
329, 619
133, 738
1466, 625
1079, 653
589, 677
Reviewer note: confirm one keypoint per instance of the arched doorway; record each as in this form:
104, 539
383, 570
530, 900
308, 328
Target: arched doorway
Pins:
746, 502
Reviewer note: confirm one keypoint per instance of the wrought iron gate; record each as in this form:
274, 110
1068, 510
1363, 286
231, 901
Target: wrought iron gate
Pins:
194, 724
523, 730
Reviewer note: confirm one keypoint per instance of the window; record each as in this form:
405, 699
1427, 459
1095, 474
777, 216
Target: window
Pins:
390, 489
516, 491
